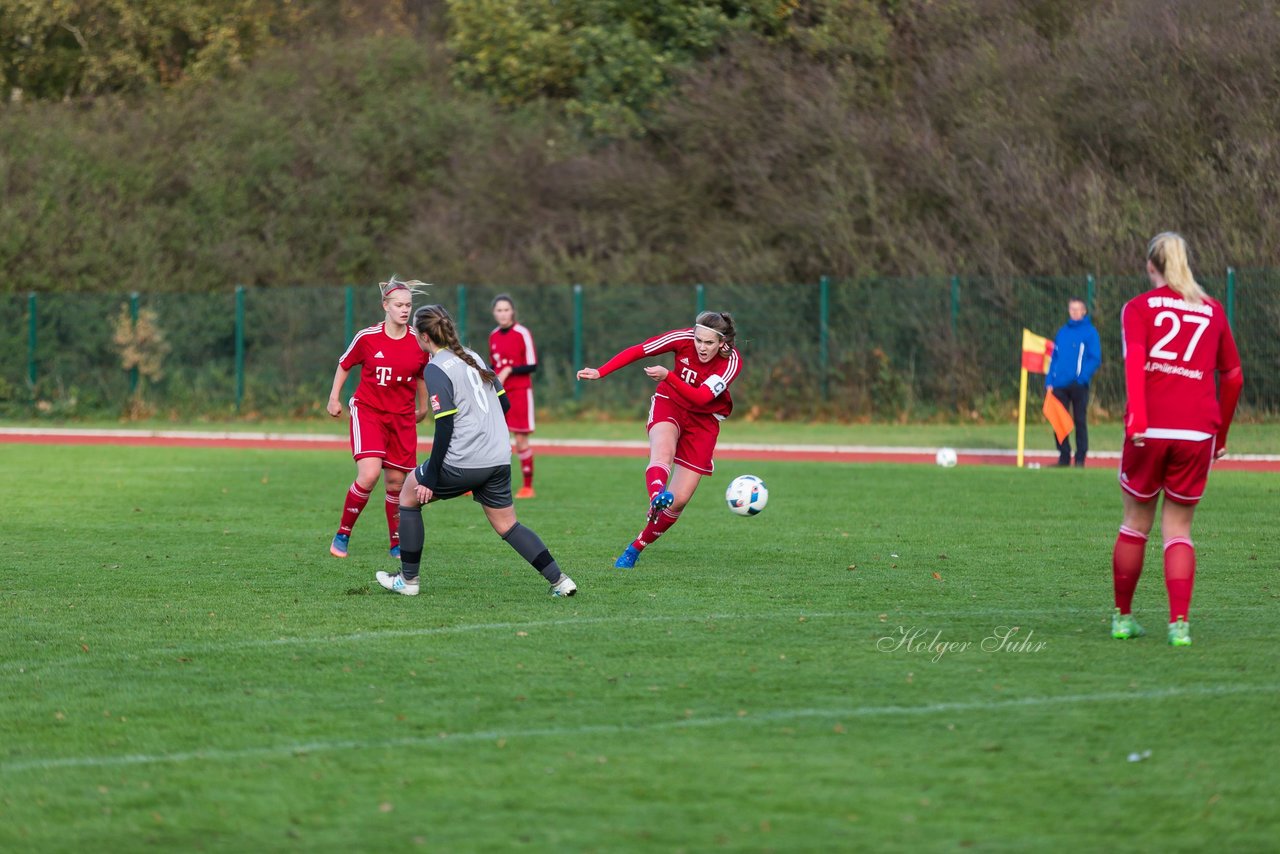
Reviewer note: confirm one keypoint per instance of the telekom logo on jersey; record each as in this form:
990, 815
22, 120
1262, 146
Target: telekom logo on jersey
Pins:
383, 372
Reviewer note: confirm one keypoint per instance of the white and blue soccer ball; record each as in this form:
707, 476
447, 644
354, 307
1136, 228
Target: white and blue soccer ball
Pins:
946, 457
746, 495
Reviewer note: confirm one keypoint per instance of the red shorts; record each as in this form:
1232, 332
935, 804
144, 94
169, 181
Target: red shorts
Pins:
698, 433
520, 415
1177, 466
381, 434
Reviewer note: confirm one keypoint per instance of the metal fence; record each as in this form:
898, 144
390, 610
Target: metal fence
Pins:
873, 348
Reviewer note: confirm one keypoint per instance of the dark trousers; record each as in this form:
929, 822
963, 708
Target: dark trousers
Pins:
1075, 398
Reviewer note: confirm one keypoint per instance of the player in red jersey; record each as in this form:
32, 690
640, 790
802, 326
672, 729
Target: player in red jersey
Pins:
388, 404
511, 354
684, 416
1176, 420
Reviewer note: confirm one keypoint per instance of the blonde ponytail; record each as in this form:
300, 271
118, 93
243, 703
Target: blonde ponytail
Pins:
413, 286
1167, 252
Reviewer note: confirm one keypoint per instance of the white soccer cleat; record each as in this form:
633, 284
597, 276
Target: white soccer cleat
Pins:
396, 583
564, 587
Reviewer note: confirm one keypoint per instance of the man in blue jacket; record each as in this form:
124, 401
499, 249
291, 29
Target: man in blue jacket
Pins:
1077, 353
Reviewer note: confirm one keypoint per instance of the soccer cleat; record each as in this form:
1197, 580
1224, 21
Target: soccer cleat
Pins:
1179, 633
564, 587
394, 551
397, 584
526, 492
1124, 626
338, 548
660, 502
628, 558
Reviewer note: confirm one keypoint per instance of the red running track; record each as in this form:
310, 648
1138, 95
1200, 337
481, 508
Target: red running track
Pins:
794, 453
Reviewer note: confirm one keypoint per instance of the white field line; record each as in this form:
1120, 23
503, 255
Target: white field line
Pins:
334, 439
774, 716
858, 620
862, 620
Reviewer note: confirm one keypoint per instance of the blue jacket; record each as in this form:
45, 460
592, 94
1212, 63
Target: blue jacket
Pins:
1077, 353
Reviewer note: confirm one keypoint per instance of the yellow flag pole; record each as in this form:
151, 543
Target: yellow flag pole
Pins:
1022, 417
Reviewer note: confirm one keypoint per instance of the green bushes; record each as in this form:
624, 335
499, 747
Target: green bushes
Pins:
846, 139
896, 142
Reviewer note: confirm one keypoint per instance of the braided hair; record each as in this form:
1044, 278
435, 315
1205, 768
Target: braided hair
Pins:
435, 323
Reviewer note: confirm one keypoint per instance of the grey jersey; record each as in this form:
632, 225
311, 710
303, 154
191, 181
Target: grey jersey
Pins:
480, 438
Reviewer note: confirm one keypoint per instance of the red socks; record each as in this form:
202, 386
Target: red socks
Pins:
392, 506
655, 529
526, 466
655, 478
1179, 571
355, 501
1126, 566
1179, 575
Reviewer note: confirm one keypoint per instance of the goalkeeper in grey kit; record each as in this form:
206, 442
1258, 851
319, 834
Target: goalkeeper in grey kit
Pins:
471, 452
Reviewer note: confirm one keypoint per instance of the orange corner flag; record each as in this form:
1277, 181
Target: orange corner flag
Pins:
1036, 351
1058, 416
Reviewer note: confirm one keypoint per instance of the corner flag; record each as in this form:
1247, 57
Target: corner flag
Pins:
1036, 351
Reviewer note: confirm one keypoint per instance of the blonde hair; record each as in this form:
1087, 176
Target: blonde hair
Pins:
1167, 252
413, 286
434, 322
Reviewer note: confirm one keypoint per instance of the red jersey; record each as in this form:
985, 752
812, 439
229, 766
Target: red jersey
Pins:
1171, 350
700, 387
391, 369
513, 348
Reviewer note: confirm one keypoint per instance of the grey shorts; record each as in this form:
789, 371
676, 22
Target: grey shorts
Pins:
489, 486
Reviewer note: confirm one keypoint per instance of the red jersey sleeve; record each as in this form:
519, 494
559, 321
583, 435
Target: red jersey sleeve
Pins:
1133, 329
355, 352
707, 391
699, 395
1230, 382
664, 343
621, 360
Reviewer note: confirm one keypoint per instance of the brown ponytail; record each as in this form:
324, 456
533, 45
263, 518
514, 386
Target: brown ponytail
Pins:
435, 323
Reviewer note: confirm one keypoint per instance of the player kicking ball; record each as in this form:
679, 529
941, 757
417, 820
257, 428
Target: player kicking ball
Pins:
691, 400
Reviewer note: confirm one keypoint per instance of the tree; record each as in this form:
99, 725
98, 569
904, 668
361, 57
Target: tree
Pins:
608, 60
61, 49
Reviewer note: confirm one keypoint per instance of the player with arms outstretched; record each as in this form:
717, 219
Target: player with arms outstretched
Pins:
691, 400
1176, 420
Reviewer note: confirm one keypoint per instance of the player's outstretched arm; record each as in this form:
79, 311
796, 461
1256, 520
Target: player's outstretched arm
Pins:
626, 357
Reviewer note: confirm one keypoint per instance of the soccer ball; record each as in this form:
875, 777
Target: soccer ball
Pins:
747, 495
946, 457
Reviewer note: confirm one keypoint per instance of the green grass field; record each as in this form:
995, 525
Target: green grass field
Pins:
186, 668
